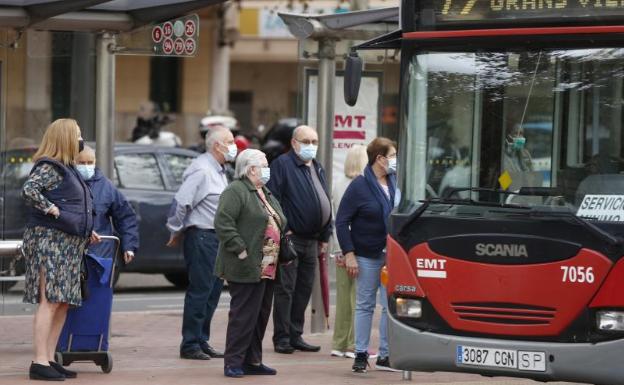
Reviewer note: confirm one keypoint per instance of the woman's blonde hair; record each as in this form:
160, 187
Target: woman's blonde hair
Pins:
60, 142
356, 161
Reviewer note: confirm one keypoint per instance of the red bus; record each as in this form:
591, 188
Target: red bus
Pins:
505, 251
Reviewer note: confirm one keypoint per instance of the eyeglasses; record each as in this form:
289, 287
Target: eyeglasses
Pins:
308, 142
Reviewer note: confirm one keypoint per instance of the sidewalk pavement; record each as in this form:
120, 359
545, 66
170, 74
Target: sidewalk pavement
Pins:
144, 346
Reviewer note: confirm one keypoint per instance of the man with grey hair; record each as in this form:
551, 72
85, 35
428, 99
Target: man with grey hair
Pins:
298, 182
193, 215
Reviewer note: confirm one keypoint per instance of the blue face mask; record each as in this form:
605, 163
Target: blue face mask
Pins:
86, 171
265, 175
519, 142
307, 152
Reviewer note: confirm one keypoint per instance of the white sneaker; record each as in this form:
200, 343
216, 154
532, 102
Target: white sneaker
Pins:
350, 355
337, 353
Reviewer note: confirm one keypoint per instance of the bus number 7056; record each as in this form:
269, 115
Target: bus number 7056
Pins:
578, 274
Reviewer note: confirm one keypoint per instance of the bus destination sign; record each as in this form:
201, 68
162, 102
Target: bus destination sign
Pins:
491, 10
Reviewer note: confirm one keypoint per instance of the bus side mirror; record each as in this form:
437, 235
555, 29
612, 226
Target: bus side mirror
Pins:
352, 78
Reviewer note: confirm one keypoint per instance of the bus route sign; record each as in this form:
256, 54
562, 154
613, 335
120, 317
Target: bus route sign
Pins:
178, 37
491, 10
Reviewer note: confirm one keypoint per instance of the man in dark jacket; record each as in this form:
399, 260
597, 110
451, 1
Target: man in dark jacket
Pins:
110, 204
298, 183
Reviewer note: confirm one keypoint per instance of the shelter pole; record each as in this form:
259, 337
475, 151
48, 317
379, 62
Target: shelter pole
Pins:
105, 102
325, 128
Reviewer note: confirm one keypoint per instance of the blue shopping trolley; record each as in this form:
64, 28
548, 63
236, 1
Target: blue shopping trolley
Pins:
86, 331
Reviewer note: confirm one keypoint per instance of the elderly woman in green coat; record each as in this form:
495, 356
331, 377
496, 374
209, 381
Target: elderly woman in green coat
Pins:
248, 222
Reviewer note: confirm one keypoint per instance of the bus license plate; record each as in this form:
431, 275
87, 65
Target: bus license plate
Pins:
501, 358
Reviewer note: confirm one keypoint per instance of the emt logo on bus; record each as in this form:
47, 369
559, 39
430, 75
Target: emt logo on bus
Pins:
431, 267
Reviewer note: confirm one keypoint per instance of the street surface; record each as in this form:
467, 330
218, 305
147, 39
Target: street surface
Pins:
145, 336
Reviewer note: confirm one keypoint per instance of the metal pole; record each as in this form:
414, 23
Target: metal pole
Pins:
325, 128
105, 103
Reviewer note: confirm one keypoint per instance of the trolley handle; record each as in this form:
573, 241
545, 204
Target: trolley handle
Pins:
117, 244
112, 238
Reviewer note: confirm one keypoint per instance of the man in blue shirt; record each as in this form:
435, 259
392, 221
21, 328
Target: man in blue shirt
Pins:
195, 206
298, 183
110, 204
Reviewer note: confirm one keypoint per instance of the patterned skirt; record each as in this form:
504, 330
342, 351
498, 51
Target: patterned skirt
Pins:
58, 255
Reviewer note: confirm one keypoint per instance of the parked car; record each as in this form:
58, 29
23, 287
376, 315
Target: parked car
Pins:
148, 176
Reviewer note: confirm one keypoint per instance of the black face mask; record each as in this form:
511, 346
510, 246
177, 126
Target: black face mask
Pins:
80, 145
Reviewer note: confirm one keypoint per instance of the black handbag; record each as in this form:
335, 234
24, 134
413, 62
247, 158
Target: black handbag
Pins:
287, 252
84, 277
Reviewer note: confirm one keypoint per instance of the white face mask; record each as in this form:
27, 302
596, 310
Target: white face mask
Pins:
231, 153
265, 175
392, 165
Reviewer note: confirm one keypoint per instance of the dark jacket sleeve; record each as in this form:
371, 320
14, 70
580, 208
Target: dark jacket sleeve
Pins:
277, 181
346, 212
124, 221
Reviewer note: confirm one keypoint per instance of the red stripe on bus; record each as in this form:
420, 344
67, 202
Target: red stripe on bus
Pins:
342, 134
514, 32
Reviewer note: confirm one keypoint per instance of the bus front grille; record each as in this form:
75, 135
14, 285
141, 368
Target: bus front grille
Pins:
504, 313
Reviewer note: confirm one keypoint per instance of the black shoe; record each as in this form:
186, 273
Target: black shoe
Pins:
261, 369
65, 372
194, 355
44, 373
384, 364
233, 372
284, 349
304, 347
209, 350
360, 364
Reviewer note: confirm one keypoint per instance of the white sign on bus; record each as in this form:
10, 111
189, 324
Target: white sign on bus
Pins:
602, 208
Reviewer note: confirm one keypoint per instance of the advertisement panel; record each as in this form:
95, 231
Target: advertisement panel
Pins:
352, 125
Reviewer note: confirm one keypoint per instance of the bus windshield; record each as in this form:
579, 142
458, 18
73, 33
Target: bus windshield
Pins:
508, 120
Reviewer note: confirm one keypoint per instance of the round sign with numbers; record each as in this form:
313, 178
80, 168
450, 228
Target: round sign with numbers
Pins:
178, 46
189, 28
167, 29
167, 46
157, 34
189, 46
178, 28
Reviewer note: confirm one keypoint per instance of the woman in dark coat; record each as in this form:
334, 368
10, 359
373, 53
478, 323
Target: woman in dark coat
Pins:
248, 222
58, 231
362, 228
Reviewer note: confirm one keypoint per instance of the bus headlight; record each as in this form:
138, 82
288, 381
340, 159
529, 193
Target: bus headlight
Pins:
610, 320
410, 308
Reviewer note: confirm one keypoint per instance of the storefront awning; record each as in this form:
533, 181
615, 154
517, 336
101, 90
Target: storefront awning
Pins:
93, 15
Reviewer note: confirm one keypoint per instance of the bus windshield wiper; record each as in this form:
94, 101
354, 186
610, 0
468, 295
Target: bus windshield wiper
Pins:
445, 199
526, 191
452, 201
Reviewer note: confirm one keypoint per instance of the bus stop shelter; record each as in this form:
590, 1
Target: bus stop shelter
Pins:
21, 100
